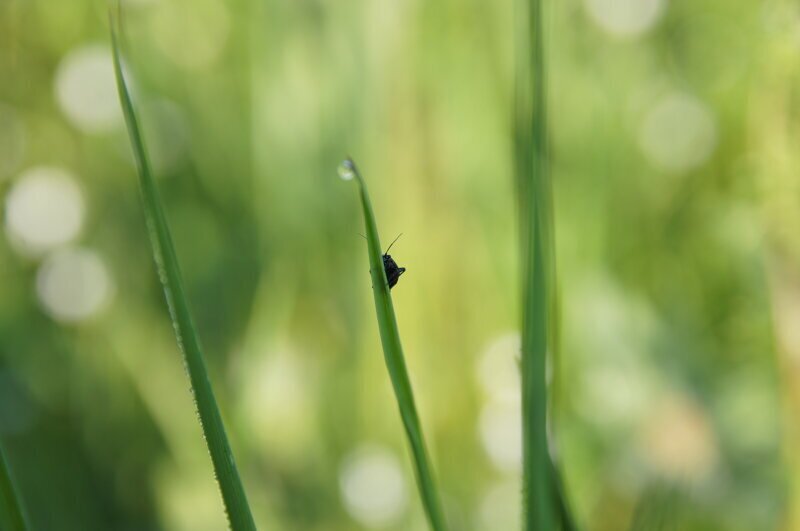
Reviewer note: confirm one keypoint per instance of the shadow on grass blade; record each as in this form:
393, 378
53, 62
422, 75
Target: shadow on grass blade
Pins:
236, 506
393, 354
12, 514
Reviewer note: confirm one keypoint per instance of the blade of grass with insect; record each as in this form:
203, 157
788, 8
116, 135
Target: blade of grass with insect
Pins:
227, 475
537, 265
12, 514
395, 361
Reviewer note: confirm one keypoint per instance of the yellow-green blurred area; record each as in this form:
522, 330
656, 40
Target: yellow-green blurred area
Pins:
674, 129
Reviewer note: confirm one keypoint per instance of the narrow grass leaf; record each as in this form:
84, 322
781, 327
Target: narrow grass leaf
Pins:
12, 514
561, 502
230, 484
395, 361
534, 201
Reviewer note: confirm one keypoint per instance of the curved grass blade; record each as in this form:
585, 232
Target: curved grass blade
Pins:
12, 514
230, 484
395, 361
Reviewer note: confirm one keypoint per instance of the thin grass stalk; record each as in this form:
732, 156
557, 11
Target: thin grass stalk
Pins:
563, 510
395, 361
227, 475
533, 187
12, 513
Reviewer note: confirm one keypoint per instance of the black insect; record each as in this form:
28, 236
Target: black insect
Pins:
393, 271
390, 267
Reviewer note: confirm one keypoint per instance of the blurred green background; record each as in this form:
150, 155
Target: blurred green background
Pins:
675, 160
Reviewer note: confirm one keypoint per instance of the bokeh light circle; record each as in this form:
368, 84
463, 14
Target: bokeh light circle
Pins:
500, 431
625, 18
372, 486
73, 284
678, 134
86, 89
500, 507
497, 369
278, 401
44, 209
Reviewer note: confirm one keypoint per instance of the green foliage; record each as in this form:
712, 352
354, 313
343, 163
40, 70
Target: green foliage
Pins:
534, 191
12, 514
674, 182
227, 475
395, 361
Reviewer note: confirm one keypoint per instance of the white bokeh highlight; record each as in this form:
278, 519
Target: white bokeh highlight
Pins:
500, 431
617, 385
44, 209
86, 89
373, 488
278, 402
625, 18
499, 426
73, 284
678, 134
500, 507
497, 369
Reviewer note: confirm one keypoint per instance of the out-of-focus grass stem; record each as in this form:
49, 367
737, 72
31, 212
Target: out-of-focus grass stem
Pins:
536, 242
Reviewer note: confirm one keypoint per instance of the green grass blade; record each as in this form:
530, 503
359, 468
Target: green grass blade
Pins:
536, 482
12, 515
533, 188
230, 484
395, 361
562, 504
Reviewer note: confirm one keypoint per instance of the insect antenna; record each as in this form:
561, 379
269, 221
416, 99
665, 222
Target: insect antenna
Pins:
390, 245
